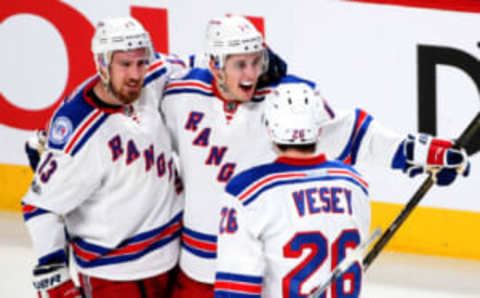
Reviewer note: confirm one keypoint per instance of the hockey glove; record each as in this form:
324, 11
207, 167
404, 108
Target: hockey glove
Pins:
277, 69
423, 153
53, 281
34, 148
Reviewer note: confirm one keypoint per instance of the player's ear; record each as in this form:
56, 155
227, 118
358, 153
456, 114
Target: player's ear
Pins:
217, 73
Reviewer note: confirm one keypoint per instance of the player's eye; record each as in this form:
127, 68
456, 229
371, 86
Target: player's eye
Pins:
240, 64
257, 61
143, 62
125, 63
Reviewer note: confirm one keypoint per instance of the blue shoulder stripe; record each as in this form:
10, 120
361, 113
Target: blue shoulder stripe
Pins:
187, 90
252, 198
198, 81
66, 121
154, 75
89, 133
200, 74
359, 129
247, 178
76, 121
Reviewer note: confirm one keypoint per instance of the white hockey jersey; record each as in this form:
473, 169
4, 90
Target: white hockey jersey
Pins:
216, 139
286, 225
108, 178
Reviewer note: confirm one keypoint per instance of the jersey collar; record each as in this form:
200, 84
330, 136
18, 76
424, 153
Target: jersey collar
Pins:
229, 106
302, 161
92, 99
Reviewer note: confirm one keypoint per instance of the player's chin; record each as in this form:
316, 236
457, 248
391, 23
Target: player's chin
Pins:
245, 94
130, 97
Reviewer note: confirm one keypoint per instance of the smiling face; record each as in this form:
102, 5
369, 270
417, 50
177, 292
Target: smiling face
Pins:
127, 71
238, 78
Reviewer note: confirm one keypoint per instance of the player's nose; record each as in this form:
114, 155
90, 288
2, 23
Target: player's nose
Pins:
136, 72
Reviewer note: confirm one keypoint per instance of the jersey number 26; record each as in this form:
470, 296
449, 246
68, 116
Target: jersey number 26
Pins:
346, 286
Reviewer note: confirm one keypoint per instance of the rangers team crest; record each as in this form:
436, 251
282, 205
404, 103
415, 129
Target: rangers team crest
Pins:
61, 130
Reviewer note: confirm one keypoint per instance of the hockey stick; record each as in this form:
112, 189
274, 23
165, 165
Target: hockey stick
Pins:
352, 257
464, 141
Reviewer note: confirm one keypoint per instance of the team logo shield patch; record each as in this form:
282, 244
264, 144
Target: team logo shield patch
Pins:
61, 130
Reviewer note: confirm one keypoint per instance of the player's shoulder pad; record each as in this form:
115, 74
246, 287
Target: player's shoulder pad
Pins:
169, 58
197, 80
76, 120
288, 79
158, 67
248, 185
244, 179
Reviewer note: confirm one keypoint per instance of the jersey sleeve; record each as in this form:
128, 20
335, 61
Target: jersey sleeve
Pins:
178, 66
47, 233
240, 261
381, 146
355, 137
62, 181
60, 184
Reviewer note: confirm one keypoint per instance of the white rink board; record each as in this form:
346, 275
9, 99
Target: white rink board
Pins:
362, 55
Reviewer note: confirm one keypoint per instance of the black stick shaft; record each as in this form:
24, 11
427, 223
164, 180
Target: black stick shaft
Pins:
462, 142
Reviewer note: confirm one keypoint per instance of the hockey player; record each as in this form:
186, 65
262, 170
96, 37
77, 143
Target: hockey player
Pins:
105, 183
214, 119
286, 224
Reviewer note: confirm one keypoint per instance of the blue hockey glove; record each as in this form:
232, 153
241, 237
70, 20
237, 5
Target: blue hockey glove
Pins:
277, 69
423, 153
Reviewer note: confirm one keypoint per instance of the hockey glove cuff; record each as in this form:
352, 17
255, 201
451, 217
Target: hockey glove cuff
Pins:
53, 281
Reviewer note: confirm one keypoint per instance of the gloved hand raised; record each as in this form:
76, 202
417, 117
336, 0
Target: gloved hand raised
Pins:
424, 153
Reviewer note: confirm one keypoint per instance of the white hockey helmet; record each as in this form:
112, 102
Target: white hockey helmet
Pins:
293, 114
232, 35
118, 34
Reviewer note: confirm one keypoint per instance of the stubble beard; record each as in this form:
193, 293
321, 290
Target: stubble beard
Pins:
126, 97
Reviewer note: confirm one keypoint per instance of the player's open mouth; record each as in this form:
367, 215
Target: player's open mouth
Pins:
246, 86
133, 86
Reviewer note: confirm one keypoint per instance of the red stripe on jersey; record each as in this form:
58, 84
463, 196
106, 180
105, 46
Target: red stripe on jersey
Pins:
199, 243
189, 84
361, 119
262, 92
348, 160
238, 287
348, 173
133, 248
82, 129
28, 208
267, 180
153, 66
86, 255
